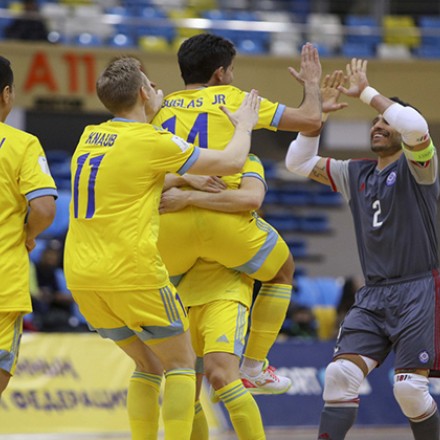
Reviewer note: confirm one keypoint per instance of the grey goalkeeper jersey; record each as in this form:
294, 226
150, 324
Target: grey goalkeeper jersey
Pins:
394, 212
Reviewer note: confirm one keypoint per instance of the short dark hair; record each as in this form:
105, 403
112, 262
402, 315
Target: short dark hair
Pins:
200, 56
6, 74
118, 85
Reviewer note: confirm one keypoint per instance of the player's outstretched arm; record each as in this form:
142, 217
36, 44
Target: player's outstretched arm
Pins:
232, 158
307, 116
405, 119
302, 157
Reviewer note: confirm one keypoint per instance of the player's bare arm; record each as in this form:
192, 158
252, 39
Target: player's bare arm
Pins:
211, 184
41, 215
307, 116
248, 197
405, 119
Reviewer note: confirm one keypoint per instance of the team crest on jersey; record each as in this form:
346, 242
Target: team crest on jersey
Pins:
183, 145
391, 179
424, 357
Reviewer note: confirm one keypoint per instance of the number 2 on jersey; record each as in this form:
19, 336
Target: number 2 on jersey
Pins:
199, 128
378, 211
94, 163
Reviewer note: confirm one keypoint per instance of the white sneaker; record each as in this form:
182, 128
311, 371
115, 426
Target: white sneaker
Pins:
267, 382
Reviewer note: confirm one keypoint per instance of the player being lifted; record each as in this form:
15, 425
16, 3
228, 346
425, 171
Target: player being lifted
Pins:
112, 264
241, 241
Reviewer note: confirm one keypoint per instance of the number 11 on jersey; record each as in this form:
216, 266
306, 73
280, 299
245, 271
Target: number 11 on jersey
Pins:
81, 168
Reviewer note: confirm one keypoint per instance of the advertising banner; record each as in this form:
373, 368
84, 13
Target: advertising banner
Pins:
72, 383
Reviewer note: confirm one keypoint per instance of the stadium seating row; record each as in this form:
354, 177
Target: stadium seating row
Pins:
161, 26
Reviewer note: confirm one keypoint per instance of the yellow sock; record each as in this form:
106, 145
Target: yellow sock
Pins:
200, 429
143, 405
268, 315
243, 411
178, 403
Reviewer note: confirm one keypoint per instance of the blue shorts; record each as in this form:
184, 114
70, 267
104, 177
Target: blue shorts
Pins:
403, 316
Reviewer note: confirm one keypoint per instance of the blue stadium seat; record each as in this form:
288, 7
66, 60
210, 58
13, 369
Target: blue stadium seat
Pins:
283, 222
292, 197
314, 223
363, 30
215, 14
57, 156
61, 280
298, 248
358, 50
243, 38
272, 196
324, 50
318, 291
122, 40
165, 29
60, 170
327, 198
58, 228
219, 15
300, 8
430, 30
432, 52
270, 168
63, 183
4, 22
87, 39
251, 47
121, 11
137, 3
40, 245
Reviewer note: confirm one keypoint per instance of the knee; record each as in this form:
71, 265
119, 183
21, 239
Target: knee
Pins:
412, 394
217, 377
343, 379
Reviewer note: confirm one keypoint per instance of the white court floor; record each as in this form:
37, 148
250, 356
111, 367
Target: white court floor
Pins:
279, 434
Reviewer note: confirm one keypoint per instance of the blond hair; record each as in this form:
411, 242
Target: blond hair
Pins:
119, 84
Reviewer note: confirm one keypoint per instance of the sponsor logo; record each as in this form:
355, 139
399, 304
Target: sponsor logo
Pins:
223, 338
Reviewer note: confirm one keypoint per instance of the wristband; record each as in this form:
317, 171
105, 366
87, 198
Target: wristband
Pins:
420, 156
368, 94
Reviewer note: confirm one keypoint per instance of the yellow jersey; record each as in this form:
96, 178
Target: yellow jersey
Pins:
196, 116
24, 176
253, 168
118, 171
232, 239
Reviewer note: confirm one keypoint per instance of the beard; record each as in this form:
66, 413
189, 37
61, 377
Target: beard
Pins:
386, 150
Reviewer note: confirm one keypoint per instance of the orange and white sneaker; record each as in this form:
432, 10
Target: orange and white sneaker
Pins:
267, 382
